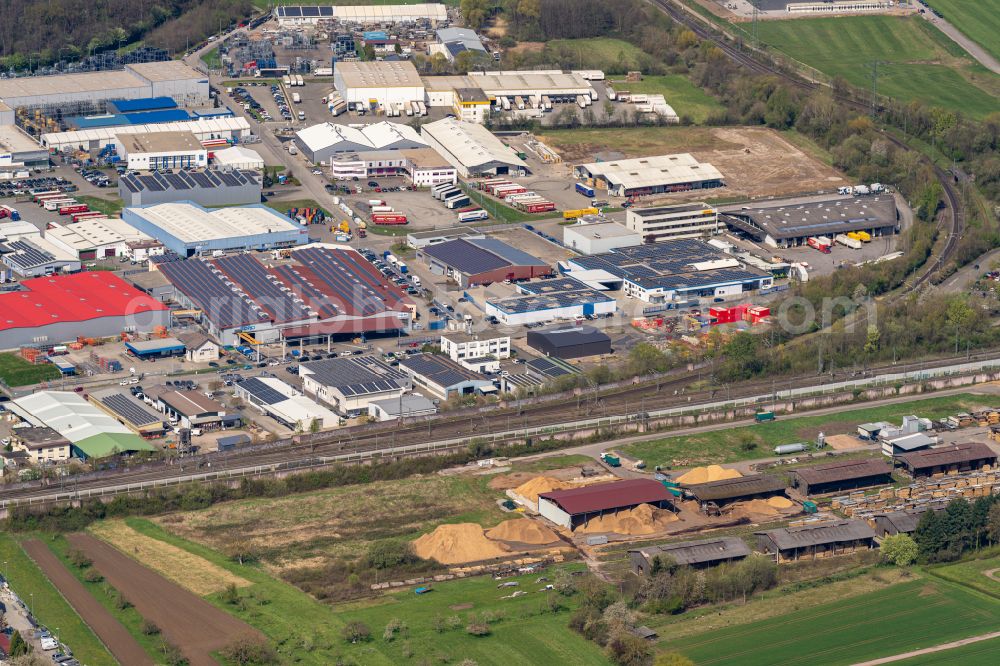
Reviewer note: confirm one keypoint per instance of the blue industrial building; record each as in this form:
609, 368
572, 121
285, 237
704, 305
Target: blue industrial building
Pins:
155, 348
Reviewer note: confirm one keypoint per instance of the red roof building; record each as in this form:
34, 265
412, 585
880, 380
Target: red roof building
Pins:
61, 308
573, 507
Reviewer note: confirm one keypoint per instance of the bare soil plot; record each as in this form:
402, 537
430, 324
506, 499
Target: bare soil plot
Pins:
186, 620
186, 569
108, 629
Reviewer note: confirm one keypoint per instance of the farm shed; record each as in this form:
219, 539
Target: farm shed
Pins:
816, 540
575, 506
731, 490
893, 446
901, 522
842, 475
697, 554
948, 459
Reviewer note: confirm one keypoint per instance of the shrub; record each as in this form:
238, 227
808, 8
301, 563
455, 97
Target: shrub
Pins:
356, 632
899, 549
394, 626
92, 576
389, 553
149, 628
478, 629
250, 651
79, 559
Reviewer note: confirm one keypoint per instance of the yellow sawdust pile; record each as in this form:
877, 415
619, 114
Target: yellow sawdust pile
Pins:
523, 530
540, 484
707, 474
779, 502
643, 519
457, 544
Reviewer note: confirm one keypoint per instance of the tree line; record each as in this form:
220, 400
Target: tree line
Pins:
944, 536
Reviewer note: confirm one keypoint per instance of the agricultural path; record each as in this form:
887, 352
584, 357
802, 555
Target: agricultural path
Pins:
186, 620
108, 629
957, 36
930, 650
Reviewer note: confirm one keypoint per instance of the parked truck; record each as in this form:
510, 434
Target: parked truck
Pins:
847, 241
296, 98
611, 460
820, 243
763, 417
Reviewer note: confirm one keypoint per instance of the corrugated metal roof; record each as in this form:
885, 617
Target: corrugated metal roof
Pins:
752, 484
947, 455
819, 534
843, 471
70, 415
440, 370
568, 337
608, 496
700, 552
470, 144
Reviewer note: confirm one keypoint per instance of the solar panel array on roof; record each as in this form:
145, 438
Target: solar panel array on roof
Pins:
130, 410
548, 297
26, 255
350, 278
256, 281
224, 304
356, 375
180, 181
439, 369
550, 368
262, 392
465, 257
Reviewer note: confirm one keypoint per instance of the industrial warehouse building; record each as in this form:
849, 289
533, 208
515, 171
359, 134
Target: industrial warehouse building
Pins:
843, 475
351, 383
904, 521
95, 238
472, 149
16, 147
34, 257
237, 158
188, 229
161, 150
422, 167
650, 175
948, 459
129, 411
57, 309
444, 377
379, 84
715, 494
292, 16
452, 41
92, 432
793, 225
567, 343
321, 142
696, 554
205, 188
230, 129
322, 292
191, 409
653, 225
284, 404
668, 271
406, 406
575, 506
421, 239
481, 261
599, 237
816, 540
136, 81
543, 301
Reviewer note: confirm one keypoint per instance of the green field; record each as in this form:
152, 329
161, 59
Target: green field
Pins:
110, 207
980, 21
600, 53
984, 653
720, 446
15, 371
686, 98
49, 606
912, 615
972, 573
211, 58
920, 63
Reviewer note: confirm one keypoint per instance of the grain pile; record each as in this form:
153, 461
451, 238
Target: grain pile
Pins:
643, 519
540, 484
457, 544
759, 510
779, 502
523, 530
708, 474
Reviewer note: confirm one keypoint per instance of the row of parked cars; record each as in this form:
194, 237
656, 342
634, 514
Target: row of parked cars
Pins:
95, 177
16, 188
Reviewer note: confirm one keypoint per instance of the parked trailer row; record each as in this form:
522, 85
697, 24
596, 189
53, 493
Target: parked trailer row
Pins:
847, 241
473, 215
821, 243
861, 190
389, 218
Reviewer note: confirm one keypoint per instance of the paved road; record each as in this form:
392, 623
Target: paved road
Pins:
930, 650
957, 36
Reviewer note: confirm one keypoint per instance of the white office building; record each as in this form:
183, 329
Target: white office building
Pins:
461, 346
694, 220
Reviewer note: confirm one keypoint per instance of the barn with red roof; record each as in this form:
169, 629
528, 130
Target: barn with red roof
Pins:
573, 507
60, 308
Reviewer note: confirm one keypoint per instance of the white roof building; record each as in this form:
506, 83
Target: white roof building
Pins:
599, 237
650, 175
203, 128
238, 157
284, 404
380, 14
95, 237
67, 413
471, 148
320, 142
529, 83
378, 82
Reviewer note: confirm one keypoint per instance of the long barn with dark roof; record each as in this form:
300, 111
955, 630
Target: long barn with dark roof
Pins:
575, 506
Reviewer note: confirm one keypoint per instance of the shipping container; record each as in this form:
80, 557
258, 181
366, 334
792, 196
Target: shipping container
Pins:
580, 212
761, 417
585, 190
389, 218
473, 215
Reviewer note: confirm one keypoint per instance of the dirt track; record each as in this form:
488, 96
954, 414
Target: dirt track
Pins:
109, 630
186, 620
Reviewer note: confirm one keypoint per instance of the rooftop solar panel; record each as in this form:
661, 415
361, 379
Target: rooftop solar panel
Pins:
223, 305
130, 410
227, 179
262, 392
465, 257
310, 11
27, 255
356, 375
439, 370
257, 283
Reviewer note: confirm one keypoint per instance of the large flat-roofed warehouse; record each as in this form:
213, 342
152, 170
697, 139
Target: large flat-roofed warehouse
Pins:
842, 475
724, 491
566, 343
948, 459
547, 300
792, 225
284, 404
667, 271
696, 554
205, 188
472, 149
839, 537
556, 85
422, 167
444, 377
575, 506
162, 150
378, 84
320, 292
650, 175
33, 257
362, 14
481, 261
189, 229
321, 142
694, 220
16, 147
58, 309
94, 139
598, 237
96, 237
351, 383
155, 79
